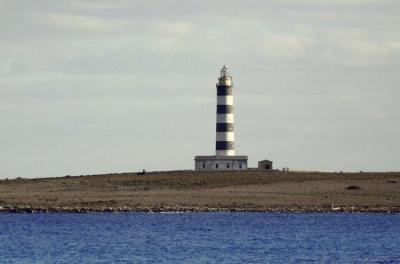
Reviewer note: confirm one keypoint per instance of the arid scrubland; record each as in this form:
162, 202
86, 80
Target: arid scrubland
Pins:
249, 190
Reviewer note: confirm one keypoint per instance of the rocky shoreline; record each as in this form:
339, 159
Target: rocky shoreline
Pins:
184, 209
183, 191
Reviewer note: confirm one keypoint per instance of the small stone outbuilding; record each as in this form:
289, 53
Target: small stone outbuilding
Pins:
265, 165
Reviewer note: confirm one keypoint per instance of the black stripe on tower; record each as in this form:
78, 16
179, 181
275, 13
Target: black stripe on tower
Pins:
224, 90
224, 109
224, 145
224, 127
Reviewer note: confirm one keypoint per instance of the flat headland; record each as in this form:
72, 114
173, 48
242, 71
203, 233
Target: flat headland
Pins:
193, 191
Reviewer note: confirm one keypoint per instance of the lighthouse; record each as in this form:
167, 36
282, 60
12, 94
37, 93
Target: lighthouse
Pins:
224, 158
225, 137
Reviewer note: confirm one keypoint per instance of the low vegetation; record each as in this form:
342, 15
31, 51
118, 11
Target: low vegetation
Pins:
189, 190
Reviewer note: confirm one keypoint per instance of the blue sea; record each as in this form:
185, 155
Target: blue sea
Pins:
200, 238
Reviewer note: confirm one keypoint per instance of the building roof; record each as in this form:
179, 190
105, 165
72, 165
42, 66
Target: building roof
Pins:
214, 157
268, 161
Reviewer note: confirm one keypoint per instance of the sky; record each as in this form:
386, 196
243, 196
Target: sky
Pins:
89, 87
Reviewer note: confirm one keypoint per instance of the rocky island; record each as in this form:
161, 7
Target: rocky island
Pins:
184, 191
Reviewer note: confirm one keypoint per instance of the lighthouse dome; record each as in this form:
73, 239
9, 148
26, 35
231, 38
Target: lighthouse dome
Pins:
224, 72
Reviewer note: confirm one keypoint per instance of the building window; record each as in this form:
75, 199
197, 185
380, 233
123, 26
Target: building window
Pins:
204, 165
216, 166
240, 165
227, 166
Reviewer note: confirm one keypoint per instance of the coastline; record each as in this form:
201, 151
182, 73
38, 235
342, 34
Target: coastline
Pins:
178, 209
192, 191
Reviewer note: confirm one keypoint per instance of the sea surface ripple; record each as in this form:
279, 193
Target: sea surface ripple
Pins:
200, 238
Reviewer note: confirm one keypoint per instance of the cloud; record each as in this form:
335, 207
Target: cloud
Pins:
284, 45
370, 50
395, 45
299, 67
358, 48
342, 2
84, 23
99, 4
175, 28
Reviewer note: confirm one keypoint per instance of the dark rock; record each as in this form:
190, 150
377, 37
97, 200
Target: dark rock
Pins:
353, 188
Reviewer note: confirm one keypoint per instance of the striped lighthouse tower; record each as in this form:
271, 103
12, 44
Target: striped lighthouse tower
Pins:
225, 139
224, 158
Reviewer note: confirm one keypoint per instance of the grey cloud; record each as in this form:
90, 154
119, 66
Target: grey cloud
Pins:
99, 86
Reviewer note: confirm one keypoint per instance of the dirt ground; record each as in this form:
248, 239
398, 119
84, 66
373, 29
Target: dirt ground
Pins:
242, 190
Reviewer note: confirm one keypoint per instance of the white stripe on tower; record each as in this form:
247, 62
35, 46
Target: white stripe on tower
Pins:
222, 118
224, 100
225, 136
225, 139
